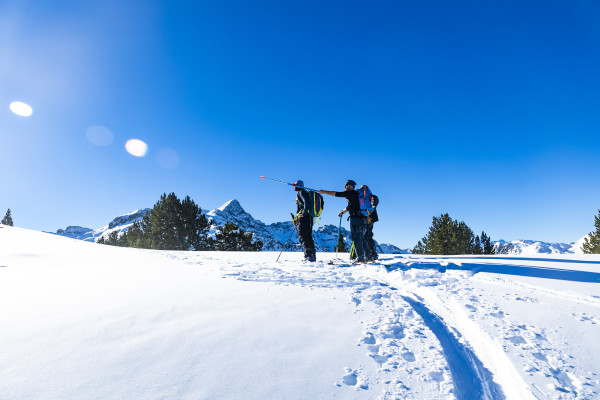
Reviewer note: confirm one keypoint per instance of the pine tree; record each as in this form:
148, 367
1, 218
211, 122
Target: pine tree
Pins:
114, 239
486, 242
439, 237
166, 229
462, 239
419, 248
7, 220
135, 236
195, 226
171, 225
591, 244
341, 246
449, 237
231, 238
477, 246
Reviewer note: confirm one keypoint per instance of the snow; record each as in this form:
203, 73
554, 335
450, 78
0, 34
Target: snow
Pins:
81, 320
532, 247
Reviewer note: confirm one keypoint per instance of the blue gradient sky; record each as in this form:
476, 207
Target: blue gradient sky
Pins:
489, 111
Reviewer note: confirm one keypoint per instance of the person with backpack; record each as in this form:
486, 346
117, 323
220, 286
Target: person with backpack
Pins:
357, 220
371, 206
305, 202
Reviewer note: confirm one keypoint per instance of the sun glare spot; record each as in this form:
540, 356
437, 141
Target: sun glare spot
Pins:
99, 135
136, 147
167, 158
22, 109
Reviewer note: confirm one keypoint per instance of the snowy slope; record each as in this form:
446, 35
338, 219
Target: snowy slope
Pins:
82, 320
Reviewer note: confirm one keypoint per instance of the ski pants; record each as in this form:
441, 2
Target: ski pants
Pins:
371, 252
305, 234
357, 232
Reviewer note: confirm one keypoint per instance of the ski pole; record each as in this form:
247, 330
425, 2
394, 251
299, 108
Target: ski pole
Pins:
291, 184
339, 234
288, 239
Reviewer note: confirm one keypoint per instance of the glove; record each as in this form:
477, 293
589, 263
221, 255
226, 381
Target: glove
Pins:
369, 220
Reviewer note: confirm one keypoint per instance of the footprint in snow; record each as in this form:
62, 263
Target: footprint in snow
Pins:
409, 356
350, 379
437, 376
471, 308
369, 338
381, 359
394, 331
526, 299
516, 340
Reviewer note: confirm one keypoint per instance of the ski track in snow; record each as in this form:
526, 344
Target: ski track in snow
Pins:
425, 324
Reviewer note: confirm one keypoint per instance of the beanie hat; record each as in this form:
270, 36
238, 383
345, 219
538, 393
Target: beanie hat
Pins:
351, 183
299, 183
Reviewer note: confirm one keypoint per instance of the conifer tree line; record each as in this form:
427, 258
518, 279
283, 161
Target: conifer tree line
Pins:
341, 245
450, 237
7, 220
175, 224
591, 244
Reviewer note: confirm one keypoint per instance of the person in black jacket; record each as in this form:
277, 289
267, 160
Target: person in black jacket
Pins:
371, 219
357, 221
304, 222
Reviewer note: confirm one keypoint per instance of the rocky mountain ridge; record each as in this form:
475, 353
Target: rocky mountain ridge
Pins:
274, 236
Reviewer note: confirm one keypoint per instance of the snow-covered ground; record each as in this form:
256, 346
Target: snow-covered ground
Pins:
82, 321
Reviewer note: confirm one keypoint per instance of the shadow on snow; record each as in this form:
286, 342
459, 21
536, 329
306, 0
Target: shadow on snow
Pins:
507, 269
511, 258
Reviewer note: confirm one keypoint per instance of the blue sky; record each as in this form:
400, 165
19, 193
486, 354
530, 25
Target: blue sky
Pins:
489, 111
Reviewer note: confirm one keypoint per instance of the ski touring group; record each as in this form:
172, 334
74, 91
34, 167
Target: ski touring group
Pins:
362, 211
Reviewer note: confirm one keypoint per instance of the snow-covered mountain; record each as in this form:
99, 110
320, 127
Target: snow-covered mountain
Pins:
274, 236
537, 247
120, 224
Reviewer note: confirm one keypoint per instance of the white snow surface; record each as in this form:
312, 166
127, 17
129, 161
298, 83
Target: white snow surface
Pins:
83, 321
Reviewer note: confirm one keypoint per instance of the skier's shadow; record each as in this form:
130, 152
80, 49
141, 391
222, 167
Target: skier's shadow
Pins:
508, 269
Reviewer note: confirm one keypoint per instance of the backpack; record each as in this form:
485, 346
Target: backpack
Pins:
367, 201
315, 204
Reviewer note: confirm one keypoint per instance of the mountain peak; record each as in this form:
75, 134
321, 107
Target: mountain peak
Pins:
128, 218
232, 206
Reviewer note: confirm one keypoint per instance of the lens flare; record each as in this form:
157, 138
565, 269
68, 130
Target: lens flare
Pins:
167, 158
20, 108
136, 147
99, 135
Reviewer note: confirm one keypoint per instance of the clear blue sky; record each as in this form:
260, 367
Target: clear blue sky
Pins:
489, 111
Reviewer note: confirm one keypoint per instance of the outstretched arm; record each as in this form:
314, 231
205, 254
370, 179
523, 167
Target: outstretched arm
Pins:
332, 193
329, 192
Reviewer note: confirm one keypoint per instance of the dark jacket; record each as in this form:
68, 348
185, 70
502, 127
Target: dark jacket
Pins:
353, 204
303, 202
374, 217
